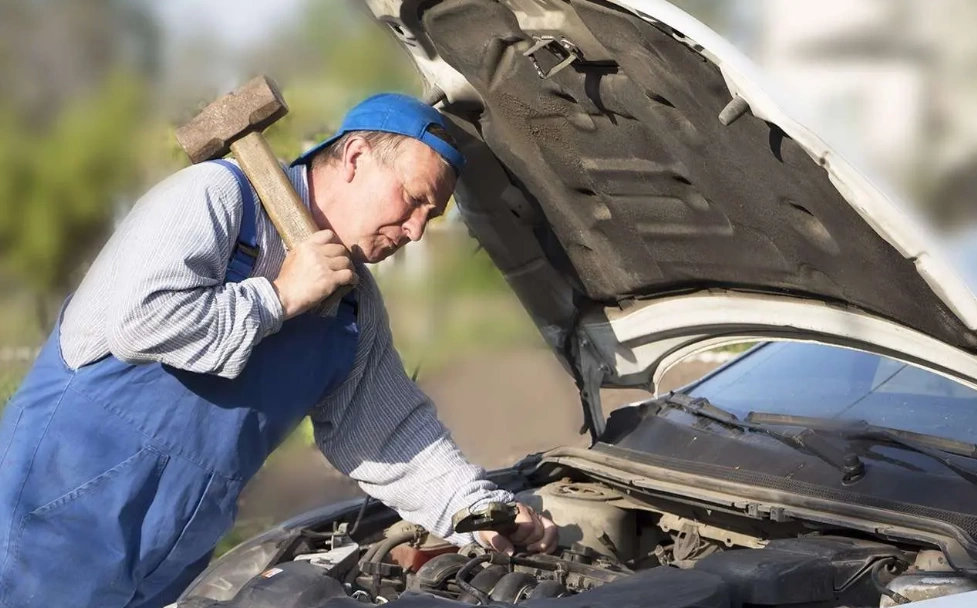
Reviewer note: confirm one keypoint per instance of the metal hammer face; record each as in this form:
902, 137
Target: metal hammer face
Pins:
251, 108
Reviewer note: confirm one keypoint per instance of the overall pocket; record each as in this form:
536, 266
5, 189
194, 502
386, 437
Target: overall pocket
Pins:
80, 549
212, 518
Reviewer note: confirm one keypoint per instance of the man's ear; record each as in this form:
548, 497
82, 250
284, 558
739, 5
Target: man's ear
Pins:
355, 153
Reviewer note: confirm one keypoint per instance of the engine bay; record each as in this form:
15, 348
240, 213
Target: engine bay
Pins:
614, 548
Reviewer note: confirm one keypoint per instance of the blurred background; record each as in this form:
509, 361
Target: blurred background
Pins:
94, 88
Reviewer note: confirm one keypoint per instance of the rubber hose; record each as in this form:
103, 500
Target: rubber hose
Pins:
480, 596
374, 549
548, 589
876, 569
485, 581
384, 549
359, 517
368, 556
512, 586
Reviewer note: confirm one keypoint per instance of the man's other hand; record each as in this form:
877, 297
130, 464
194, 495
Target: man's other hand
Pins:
533, 531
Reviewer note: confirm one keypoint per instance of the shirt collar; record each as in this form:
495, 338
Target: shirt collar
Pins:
299, 177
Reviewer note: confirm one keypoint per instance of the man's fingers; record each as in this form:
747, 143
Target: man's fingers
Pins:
333, 250
314, 271
323, 237
494, 540
340, 263
548, 543
346, 277
533, 534
529, 529
536, 533
524, 524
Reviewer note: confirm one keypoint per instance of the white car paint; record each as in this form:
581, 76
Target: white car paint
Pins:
962, 600
660, 333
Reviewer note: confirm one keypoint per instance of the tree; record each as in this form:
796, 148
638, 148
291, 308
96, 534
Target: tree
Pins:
69, 133
327, 61
52, 51
61, 187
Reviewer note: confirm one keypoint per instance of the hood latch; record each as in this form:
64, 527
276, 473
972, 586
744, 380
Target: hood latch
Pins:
560, 46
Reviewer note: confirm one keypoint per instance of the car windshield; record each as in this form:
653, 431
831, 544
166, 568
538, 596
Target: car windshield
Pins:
804, 379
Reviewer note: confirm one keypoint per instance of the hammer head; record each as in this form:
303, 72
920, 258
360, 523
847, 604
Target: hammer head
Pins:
253, 107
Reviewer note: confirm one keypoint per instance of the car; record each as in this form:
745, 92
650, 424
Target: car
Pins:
647, 199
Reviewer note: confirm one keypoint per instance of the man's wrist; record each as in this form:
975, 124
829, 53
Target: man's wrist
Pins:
271, 312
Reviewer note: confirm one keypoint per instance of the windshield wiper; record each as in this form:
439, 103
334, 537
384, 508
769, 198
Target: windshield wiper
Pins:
937, 448
807, 441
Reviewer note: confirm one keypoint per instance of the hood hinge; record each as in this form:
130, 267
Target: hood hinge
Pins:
588, 373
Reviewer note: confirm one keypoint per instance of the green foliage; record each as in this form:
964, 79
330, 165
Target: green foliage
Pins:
472, 274
59, 185
350, 51
10, 377
336, 58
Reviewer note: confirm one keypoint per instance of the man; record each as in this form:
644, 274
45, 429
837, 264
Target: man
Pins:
194, 345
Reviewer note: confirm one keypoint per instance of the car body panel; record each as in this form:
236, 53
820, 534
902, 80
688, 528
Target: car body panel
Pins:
950, 601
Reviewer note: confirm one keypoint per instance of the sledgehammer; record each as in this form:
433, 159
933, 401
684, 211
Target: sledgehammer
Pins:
234, 123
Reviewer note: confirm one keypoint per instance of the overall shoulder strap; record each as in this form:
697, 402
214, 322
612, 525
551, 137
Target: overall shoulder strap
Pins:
246, 251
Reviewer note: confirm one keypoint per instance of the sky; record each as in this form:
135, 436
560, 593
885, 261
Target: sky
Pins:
238, 22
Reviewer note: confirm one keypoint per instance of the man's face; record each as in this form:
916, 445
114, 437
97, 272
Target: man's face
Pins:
387, 205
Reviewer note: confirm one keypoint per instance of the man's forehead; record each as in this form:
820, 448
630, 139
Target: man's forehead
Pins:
423, 167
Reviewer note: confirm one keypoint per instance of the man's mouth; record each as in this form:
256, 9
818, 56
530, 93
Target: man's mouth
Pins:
385, 248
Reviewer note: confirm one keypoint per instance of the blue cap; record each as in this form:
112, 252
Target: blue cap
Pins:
394, 113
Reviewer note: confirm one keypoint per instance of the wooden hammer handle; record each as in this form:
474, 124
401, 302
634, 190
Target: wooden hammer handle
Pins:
282, 204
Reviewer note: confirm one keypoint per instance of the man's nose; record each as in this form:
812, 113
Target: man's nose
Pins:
416, 224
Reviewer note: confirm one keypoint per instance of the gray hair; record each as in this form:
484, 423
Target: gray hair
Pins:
384, 145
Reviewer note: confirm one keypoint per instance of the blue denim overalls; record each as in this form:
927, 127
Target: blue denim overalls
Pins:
117, 480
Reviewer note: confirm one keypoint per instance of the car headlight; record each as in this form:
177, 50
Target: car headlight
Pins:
226, 575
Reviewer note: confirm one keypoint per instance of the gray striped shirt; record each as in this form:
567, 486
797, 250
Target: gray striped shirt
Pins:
156, 293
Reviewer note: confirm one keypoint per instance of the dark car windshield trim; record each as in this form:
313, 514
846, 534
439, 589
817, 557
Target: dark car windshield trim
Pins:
953, 446
860, 430
806, 441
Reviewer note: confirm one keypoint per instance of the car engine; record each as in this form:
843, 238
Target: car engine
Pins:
614, 549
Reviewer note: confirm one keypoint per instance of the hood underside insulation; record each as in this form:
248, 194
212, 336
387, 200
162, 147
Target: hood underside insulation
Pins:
646, 192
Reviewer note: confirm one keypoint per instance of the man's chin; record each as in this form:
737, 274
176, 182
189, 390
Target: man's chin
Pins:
375, 256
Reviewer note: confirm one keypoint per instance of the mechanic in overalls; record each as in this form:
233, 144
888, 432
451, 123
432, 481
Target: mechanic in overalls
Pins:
191, 349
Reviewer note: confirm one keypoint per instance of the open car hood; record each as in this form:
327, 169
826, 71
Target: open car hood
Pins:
646, 197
